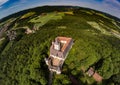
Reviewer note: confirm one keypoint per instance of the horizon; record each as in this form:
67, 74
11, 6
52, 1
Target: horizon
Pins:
9, 7
57, 5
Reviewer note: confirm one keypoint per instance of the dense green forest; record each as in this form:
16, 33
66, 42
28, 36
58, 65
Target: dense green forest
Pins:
96, 44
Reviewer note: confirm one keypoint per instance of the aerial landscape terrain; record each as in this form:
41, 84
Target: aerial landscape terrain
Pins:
26, 38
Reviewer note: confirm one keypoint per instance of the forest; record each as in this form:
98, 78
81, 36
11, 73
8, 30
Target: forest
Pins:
22, 60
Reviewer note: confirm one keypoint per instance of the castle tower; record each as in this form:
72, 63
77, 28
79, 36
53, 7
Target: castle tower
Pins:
58, 53
56, 45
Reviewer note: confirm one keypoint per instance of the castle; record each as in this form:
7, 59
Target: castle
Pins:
58, 53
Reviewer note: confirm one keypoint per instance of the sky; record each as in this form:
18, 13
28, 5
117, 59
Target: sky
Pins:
8, 7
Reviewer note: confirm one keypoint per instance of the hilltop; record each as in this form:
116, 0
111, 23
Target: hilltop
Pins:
96, 44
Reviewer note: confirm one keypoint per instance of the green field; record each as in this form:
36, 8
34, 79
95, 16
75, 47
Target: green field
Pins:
43, 19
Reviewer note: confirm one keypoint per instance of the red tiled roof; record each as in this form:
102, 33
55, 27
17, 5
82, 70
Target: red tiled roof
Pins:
97, 77
66, 44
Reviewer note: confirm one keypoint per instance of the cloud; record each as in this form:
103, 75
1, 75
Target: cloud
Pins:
111, 6
3, 1
113, 3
